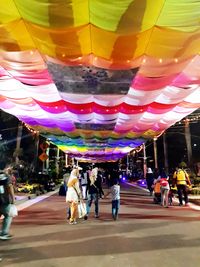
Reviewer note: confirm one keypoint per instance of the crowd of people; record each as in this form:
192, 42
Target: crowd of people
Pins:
86, 185
162, 188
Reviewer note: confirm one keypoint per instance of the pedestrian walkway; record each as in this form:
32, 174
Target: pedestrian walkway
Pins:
145, 235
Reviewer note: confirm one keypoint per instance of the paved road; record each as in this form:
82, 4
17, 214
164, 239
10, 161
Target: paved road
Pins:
146, 235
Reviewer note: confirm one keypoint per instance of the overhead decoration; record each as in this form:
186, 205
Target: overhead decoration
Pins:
98, 78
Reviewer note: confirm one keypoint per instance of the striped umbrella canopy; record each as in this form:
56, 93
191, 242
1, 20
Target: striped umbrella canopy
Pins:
98, 78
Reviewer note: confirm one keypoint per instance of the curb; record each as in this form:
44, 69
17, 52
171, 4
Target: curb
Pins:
29, 202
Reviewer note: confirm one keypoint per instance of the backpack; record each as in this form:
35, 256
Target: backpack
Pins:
4, 196
163, 182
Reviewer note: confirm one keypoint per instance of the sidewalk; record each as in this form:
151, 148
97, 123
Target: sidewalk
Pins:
25, 201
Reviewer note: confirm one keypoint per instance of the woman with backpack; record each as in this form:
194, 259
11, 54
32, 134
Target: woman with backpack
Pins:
164, 188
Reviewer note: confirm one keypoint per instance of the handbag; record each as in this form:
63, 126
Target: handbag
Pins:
82, 211
77, 193
13, 212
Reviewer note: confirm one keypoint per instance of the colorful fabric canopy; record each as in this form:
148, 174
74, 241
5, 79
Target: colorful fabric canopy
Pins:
98, 78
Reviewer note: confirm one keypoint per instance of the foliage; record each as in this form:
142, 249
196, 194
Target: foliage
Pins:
18, 152
183, 165
195, 191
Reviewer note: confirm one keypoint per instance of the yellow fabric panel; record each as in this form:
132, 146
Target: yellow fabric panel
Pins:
124, 17
118, 48
165, 43
181, 15
8, 11
75, 42
54, 14
132, 134
81, 12
62, 44
35, 11
150, 133
12, 39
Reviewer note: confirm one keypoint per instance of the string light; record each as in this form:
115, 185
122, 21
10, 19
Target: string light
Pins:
29, 128
191, 118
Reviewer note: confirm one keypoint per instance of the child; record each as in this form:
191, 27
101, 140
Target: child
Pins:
157, 192
115, 194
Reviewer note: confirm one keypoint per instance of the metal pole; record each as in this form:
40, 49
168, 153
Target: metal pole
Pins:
37, 139
155, 152
47, 161
43, 166
18, 142
165, 152
127, 164
66, 160
144, 160
57, 161
188, 142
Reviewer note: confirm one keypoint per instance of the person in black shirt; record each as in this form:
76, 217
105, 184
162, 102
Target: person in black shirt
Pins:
94, 190
6, 199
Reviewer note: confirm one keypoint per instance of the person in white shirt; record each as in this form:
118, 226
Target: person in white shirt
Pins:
164, 187
73, 195
115, 194
84, 182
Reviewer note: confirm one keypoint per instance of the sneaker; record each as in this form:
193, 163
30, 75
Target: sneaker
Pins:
5, 237
96, 216
74, 222
114, 217
85, 217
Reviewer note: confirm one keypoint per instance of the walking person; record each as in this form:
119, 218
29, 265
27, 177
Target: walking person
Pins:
84, 182
73, 194
115, 194
7, 198
65, 182
94, 189
66, 178
150, 180
181, 180
164, 188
